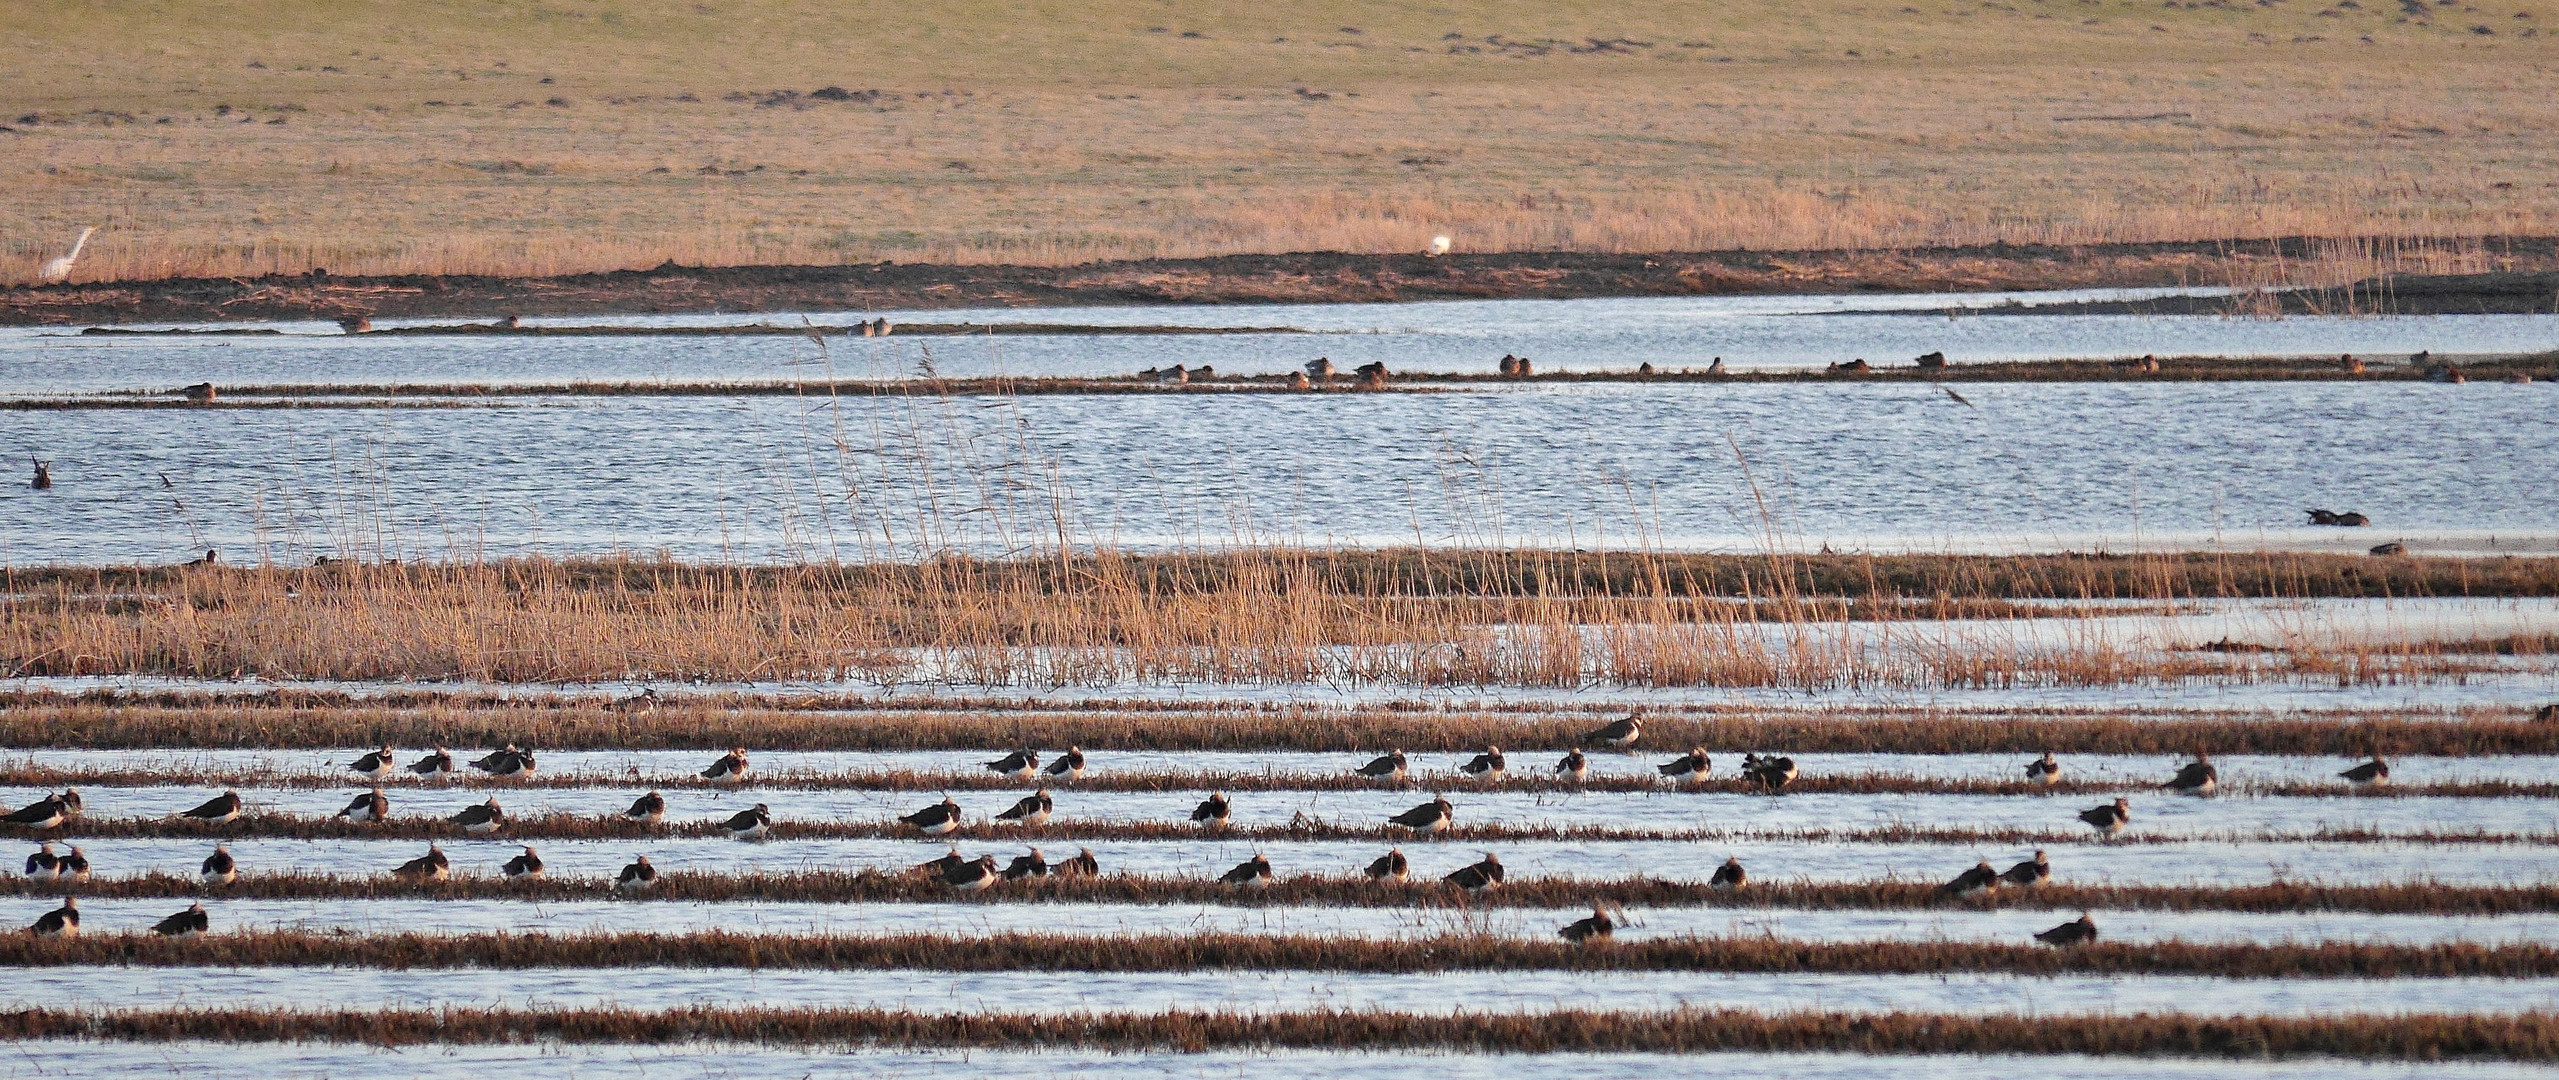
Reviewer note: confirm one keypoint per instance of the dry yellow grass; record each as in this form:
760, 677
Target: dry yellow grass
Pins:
237, 137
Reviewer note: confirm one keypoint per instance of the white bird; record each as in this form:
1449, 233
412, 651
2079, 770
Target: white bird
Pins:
58, 271
1439, 246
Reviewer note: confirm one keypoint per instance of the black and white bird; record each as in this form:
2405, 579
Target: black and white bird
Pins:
1253, 873
1213, 811
2197, 778
1616, 736
511, 761
1598, 928
1479, 877
1772, 774
375, 765
2078, 932
191, 921
730, 769
1390, 867
436, 766
935, 820
1019, 765
1034, 864
638, 875
370, 806
1489, 765
1430, 817
973, 875
527, 865
432, 866
1729, 876
1389, 767
751, 823
74, 867
1572, 767
1032, 811
2108, 820
44, 865
1688, 768
63, 921
934, 868
648, 809
46, 813
2034, 871
219, 868
1978, 879
1083, 865
217, 810
481, 820
2043, 770
1069, 766
2372, 773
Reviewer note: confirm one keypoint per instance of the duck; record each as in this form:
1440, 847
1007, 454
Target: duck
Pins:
752, 823
1478, 877
973, 875
219, 868
1069, 766
1213, 811
44, 865
218, 810
2043, 770
527, 865
1618, 735
1297, 380
1083, 865
648, 809
1430, 817
730, 769
374, 765
74, 867
2197, 778
370, 806
191, 921
1034, 864
1981, 878
935, 820
1173, 376
1596, 929
1487, 766
2034, 871
1253, 873
2076, 932
481, 820
510, 761
2372, 773
1018, 765
63, 921
436, 766
45, 813
1390, 767
1572, 767
43, 479
1729, 876
1320, 368
1389, 868
638, 875
2108, 820
432, 866
1690, 767
1032, 811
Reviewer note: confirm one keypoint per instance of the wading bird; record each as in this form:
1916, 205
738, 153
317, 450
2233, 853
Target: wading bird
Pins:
48, 812
935, 820
973, 875
2043, 770
63, 921
1487, 766
481, 820
370, 806
638, 875
2108, 820
1573, 766
1430, 817
1479, 877
373, 766
2369, 774
57, 271
648, 809
432, 866
44, 865
527, 865
1069, 765
1018, 765
436, 766
730, 769
74, 867
1213, 811
751, 823
511, 761
2197, 778
1618, 735
1389, 868
1253, 873
2034, 871
217, 810
191, 921
1390, 767
1032, 811
219, 868
2078, 932
1690, 767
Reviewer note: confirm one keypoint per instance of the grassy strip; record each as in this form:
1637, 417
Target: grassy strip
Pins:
873, 886
1248, 952
2527, 1037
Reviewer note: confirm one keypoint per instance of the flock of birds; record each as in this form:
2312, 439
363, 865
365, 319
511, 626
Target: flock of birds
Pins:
1772, 773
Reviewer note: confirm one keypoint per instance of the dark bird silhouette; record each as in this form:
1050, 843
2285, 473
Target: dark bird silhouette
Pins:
201, 393
638, 875
937, 867
2392, 548
220, 868
1213, 811
1979, 878
191, 921
2197, 778
1390, 867
2077, 932
211, 557
2033, 871
2110, 819
1253, 873
481, 820
63, 921
432, 866
527, 865
1489, 765
370, 806
1617, 735
1479, 877
751, 823
2368, 774
1032, 811
216, 810
1598, 928
975, 874
1770, 773
1069, 765
44, 476
1031, 865
648, 809
934, 820
1430, 817
1083, 865
1935, 361
1391, 766
1729, 876
1018, 765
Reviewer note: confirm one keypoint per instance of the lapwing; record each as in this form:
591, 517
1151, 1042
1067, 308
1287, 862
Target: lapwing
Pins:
730, 769
217, 810
375, 765
2372, 773
432, 866
1212, 812
973, 875
1430, 817
1018, 765
1729, 876
934, 868
1598, 928
1688, 768
437, 766
1618, 735
1479, 877
370, 806
2043, 770
2197, 778
1573, 767
219, 868
63, 921
2034, 871
638, 875
1391, 767
1487, 766
511, 761
1770, 773
1981, 877
481, 820
44, 864
74, 867
527, 865
2078, 932
1032, 811
1253, 873
1390, 867
1083, 865
648, 809
2108, 820
190, 921
935, 820
751, 823
1034, 864
45, 813
1069, 766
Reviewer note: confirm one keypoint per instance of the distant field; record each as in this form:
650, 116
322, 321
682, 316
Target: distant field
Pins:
231, 137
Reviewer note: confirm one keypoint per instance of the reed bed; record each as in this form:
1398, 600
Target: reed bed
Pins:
1248, 952
2532, 1037
872, 886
